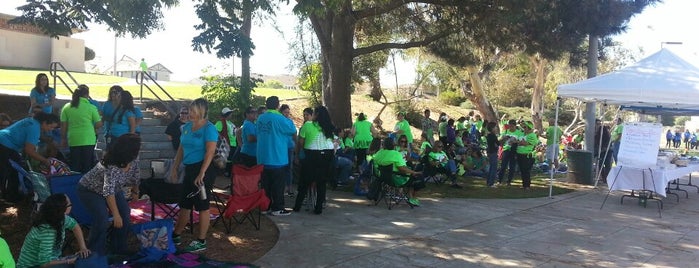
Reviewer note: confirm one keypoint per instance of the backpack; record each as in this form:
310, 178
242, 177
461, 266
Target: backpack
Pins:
223, 148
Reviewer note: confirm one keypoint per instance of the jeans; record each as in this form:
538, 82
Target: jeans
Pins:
96, 206
615, 147
508, 161
82, 158
273, 182
344, 168
492, 172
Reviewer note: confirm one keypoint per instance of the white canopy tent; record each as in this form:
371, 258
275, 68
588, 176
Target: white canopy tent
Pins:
662, 83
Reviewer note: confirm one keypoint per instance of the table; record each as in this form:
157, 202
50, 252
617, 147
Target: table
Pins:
655, 179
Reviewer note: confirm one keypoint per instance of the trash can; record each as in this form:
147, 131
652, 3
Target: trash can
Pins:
580, 167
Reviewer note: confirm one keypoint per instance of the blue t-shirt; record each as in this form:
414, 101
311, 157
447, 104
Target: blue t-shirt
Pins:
249, 148
107, 110
193, 143
273, 134
40, 98
23, 131
139, 115
120, 125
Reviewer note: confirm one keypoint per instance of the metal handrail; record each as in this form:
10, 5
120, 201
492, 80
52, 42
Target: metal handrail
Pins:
53, 71
140, 80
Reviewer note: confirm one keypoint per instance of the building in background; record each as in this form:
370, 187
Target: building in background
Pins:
130, 68
26, 46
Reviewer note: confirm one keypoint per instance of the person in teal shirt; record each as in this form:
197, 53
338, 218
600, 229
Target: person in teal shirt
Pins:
42, 95
23, 136
196, 151
403, 176
124, 117
248, 138
79, 118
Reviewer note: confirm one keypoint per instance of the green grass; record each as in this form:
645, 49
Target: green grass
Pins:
23, 80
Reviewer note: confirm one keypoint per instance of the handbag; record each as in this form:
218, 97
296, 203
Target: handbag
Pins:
223, 148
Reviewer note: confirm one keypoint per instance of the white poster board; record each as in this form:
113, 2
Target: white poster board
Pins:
639, 146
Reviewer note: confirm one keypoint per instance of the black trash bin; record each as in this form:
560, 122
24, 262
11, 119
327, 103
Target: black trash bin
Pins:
580, 167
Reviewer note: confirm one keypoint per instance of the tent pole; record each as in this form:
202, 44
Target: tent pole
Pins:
552, 171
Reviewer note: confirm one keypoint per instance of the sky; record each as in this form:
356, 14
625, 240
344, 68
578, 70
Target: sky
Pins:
671, 21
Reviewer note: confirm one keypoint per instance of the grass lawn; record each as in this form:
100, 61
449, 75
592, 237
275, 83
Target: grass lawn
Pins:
23, 80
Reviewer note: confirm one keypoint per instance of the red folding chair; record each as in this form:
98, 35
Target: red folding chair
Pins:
247, 199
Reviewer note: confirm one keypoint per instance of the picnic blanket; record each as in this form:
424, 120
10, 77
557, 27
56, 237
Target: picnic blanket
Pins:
140, 212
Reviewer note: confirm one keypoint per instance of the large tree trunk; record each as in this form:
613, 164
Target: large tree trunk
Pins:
245, 82
537, 107
476, 94
335, 33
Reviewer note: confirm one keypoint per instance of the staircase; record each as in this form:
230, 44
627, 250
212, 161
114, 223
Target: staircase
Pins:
155, 145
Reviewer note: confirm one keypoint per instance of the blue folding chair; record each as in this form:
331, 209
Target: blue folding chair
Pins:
68, 185
23, 177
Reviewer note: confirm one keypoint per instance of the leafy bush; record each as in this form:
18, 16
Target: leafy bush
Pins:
311, 81
276, 84
224, 91
451, 98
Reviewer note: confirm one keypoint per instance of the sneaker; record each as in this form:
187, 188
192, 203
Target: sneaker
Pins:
456, 186
351, 178
177, 240
414, 202
282, 212
492, 186
195, 246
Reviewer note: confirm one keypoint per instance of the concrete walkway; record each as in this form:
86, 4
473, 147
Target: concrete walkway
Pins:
566, 231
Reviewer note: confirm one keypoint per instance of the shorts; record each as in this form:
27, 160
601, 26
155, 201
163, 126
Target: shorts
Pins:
190, 174
551, 151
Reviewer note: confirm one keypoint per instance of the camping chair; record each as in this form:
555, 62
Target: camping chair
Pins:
31, 182
247, 199
436, 174
391, 193
68, 185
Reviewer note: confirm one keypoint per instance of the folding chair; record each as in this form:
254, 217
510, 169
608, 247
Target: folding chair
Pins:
68, 185
436, 174
247, 199
391, 193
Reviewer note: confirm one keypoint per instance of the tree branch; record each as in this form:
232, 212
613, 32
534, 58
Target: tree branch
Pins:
387, 7
382, 46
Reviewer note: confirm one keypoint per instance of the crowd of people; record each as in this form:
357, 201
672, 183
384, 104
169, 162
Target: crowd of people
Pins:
323, 154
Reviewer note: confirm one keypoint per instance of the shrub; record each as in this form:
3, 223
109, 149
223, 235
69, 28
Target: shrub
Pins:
451, 98
224, 91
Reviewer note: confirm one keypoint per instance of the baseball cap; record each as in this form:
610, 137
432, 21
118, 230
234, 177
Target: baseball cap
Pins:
226, 110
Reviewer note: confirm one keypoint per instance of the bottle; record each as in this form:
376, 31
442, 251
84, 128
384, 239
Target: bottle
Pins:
202, 192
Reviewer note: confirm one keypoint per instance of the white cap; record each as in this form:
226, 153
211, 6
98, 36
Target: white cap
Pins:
226, 110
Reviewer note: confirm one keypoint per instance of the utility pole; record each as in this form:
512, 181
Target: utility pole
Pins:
114, 71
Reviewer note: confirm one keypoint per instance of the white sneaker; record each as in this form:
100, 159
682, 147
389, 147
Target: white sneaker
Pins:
282, 212
351, 178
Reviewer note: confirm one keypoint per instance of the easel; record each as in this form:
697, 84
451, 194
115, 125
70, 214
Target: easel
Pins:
642, 195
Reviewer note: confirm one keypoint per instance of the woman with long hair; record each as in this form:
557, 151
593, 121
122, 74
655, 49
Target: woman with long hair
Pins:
317, 141
42, 95
108, 108
43, 245
101, 191
124, 117
196, 151
23, 136
79, 118
363, 132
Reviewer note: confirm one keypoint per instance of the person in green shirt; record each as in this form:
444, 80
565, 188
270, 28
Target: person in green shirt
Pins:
363, 132
525, 149
428, 126
403, 128
442, 127
616, 137
43, 244
476, 164
403, 176
439, 160
6, 259
553, 136
508, 139
79, 119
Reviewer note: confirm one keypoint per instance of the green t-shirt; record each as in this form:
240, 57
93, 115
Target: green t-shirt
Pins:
550, 138
442, 129
517, 134
405, 127
479, 125
476, 164
424, 146
38, 246
313, 136
532, 141
616, 133
81, 123
440, 157
6, 259
391, 157
460, 126
362, 134
231, 132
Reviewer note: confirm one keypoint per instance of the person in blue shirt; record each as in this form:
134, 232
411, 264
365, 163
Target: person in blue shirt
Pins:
693, 141
273, 134
668, 138
42, 95
687, 136
677, 141
109, 106
123, 119
248, 139
196, 151
139, 119
22, 136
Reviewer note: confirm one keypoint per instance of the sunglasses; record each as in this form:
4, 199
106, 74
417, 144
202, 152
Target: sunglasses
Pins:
403, 141
184, 113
